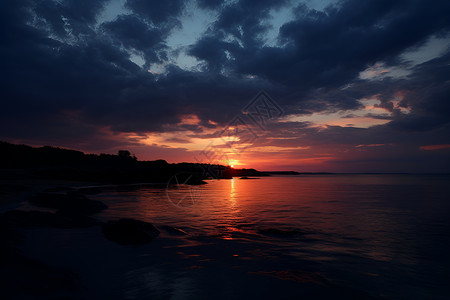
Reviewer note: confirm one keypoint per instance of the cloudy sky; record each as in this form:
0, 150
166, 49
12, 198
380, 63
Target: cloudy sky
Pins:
355, 86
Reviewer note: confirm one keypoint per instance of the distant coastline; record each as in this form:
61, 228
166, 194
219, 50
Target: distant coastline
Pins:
53, 163
347, 173
295, 173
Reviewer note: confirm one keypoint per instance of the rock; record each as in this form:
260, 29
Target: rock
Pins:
71, 202
129, 231
196, 181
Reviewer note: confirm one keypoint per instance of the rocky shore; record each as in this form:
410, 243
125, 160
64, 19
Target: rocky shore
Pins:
61, 208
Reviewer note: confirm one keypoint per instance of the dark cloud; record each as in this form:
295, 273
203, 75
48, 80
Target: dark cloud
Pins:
160, 13
210, 4
425, 92
246, 20
330, 49
319, 52
243, 22
131, 32
68, 17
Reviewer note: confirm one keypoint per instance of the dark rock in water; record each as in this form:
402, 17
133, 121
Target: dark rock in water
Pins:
129, 231
173, 230
72, 202
279, 232
40, 218
195, 181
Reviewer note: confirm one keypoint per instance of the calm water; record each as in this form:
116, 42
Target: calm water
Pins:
385, 235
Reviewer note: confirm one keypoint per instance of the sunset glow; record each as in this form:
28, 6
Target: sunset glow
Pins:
181, 85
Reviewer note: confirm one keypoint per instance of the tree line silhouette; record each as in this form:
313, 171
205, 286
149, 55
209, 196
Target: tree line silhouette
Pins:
57, 163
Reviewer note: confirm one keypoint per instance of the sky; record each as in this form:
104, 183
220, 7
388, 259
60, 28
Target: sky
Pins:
312, 86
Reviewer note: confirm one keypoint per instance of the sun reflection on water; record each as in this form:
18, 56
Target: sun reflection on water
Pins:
233, 196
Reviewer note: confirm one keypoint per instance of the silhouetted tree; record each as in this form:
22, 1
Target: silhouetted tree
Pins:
124, 153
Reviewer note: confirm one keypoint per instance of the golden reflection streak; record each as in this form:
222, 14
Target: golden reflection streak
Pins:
232, 216
233, 193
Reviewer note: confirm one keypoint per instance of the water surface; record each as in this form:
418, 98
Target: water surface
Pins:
387, 235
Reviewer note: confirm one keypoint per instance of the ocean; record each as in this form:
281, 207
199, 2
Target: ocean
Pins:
311, 236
